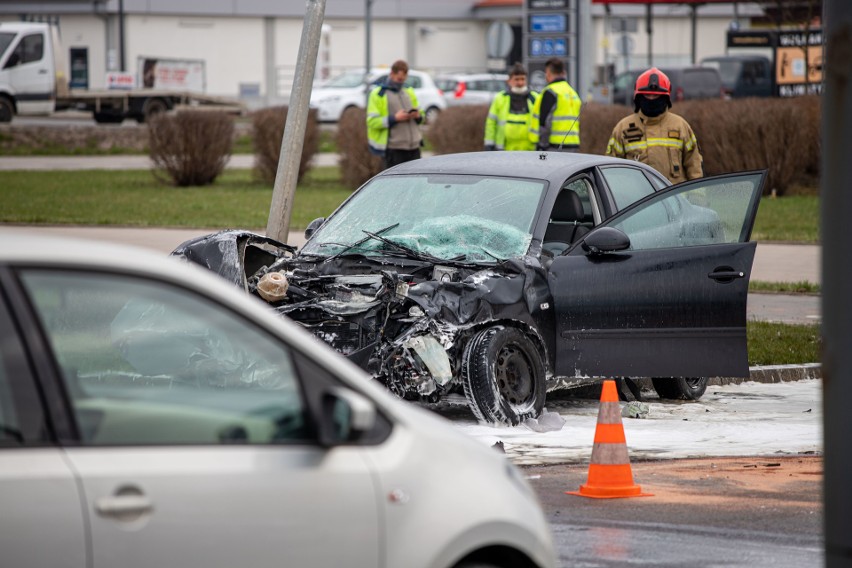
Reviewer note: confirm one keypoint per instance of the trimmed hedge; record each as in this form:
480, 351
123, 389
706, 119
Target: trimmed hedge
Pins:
780, 135
459, 129
267, 133
190, 148
357, 163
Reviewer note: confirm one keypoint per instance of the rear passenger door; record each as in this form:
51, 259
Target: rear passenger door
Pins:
194, 438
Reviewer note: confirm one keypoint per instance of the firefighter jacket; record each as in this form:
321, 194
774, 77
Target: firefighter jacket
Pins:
508, 125
383, 131
666, 143
556, 117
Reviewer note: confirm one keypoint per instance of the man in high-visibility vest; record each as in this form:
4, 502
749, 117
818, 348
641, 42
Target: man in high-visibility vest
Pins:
654, 135
555, 124
393, 119
508, 124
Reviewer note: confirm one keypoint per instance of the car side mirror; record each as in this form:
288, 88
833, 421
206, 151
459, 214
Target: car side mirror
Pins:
313, 226
13, 60
604, 240
345, 416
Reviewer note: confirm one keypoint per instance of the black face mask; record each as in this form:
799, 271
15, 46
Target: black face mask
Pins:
652, 107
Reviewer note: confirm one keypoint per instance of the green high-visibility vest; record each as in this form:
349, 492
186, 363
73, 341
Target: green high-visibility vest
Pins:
564, 117
505, 130
378, 123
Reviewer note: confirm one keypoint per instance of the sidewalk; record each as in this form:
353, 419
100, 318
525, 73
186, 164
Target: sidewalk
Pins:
124, 162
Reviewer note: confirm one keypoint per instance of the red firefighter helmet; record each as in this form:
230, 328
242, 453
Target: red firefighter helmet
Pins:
653, 82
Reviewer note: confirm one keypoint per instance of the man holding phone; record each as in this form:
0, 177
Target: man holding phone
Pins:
393, 119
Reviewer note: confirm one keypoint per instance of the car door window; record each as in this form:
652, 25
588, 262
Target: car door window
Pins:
627, 185
22, 419
149, 363
414, 82
30, 49
698, 213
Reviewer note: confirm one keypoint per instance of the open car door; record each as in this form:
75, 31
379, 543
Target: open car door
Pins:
660, 289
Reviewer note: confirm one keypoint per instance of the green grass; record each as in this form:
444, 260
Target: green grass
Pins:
136, 198
782, 344
801, 287
793, 219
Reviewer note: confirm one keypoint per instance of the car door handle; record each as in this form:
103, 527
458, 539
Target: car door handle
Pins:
42, 71
122, 506
726, 275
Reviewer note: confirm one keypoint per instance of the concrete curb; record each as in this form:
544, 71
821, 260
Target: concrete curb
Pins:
774, 374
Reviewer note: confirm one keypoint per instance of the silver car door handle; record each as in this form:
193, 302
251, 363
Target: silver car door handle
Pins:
123, 505
42, 71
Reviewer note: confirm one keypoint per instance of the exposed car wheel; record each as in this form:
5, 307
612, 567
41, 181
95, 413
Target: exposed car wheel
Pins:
679, 388
503, 376
7, 110
432, 114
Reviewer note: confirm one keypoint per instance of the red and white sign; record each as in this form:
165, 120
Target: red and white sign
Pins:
116, 80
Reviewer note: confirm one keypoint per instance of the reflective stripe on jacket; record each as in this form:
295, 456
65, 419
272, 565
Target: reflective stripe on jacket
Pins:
562, 125
666, 143
505, 130
380, 120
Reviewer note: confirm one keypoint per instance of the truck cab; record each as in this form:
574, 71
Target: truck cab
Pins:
29, 71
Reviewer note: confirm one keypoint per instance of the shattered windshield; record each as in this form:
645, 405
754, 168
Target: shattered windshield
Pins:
448, 217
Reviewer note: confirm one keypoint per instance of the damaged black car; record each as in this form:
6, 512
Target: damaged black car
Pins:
502, 276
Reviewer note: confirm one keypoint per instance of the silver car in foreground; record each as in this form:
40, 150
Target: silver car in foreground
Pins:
151, 415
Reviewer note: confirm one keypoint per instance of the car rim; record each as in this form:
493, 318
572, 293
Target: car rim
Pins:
513, 374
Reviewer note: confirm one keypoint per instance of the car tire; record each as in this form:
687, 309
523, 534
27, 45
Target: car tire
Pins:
7, 110
503, 376
432, 114
153, 108
680, 388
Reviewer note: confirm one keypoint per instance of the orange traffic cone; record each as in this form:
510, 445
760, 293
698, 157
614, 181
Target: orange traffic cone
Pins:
610, 475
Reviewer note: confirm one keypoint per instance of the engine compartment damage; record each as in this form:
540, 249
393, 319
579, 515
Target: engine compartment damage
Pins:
404, 318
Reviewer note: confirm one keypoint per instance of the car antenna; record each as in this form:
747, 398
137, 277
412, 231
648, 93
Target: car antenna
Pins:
569, 131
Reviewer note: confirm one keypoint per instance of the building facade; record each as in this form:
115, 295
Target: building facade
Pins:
250, 47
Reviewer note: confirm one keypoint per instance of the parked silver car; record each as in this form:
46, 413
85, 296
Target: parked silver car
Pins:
347, 90
151, 415
471, 89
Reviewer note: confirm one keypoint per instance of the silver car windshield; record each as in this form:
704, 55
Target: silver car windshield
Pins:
449, 217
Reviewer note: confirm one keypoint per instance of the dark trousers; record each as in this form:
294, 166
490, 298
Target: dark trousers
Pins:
394, 157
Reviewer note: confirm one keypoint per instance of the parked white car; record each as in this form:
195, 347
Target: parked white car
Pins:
153, 415
471, 89
347, 90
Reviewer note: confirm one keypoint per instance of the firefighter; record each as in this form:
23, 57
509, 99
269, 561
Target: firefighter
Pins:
555, 121
654, 135
508, 124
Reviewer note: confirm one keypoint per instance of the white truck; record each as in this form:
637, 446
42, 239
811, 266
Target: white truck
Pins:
34, 80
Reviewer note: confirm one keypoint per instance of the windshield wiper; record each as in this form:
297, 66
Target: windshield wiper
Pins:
360, 241
407, 250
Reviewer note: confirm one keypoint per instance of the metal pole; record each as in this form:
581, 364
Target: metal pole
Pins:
693, 20
836, 205
284, 189
121, 35
649, 29
368, 31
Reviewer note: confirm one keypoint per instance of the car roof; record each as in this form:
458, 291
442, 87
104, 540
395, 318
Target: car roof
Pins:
553, 166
